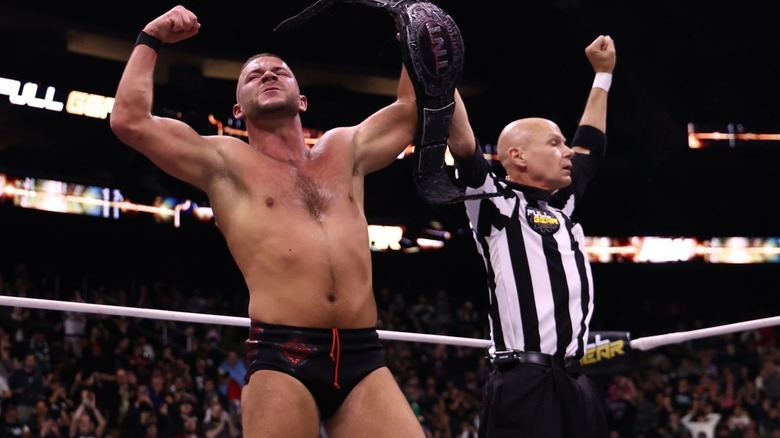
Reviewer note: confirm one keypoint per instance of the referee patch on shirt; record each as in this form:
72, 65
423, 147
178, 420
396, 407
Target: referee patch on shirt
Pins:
542, 221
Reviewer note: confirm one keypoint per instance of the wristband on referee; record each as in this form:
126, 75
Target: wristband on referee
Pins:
149, 40
602, 80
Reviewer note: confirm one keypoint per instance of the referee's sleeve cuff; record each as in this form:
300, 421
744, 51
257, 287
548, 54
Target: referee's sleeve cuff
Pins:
472, 171
591, 138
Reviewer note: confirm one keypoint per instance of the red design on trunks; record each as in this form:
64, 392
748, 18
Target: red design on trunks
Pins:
295, 351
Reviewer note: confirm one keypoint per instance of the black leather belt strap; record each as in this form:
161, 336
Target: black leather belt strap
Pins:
432, 51
506, 359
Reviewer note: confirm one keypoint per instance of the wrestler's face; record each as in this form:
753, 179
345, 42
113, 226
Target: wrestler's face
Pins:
267, 88
535, 153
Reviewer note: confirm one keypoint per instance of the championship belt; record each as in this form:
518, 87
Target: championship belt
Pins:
432, 51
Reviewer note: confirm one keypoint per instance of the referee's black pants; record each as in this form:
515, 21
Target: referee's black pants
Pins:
535, 401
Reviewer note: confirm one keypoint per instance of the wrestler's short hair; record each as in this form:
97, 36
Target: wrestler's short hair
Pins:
260, 55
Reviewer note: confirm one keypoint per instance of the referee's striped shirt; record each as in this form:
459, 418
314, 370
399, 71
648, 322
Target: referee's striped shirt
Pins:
539, 277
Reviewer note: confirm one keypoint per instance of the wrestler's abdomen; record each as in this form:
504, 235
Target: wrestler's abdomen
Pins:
305, 257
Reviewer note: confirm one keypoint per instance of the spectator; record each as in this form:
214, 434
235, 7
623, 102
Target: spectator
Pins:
230, 389
682, 398
121, 399
183, 411
621, 405
40, 417
27, 385
141, 411
12, 426
88, 421
59, 405
235, 367
158, 390
39, 346
768, 379
739, 421
199, 374
217, 423
75, 326
191, 429
701, 421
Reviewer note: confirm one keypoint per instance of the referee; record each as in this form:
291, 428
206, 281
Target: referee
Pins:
539, 277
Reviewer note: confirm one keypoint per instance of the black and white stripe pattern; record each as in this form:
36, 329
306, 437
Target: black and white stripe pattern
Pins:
540, 282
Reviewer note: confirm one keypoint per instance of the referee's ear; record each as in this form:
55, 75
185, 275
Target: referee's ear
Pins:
516, 156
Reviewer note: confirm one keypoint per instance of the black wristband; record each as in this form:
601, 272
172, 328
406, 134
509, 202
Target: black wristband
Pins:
149, 40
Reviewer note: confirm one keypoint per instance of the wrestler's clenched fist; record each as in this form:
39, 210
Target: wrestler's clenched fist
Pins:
176, 25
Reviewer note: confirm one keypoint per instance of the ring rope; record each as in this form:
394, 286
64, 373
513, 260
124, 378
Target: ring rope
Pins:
645, 343
649, 342
169, 315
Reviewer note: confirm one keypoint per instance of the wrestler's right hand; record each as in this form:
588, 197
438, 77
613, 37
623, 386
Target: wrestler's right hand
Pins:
173, 26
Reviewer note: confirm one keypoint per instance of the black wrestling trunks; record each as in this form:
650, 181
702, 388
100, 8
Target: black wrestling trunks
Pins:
329, 362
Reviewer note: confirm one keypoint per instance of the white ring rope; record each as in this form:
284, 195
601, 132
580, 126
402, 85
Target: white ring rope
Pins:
169, 315
649, 342
645, 343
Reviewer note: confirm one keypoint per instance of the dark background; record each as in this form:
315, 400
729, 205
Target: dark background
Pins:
710, 63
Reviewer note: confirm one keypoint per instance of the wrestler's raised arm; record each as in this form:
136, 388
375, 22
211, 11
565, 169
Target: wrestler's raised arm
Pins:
170, 144
385, 134
461, 140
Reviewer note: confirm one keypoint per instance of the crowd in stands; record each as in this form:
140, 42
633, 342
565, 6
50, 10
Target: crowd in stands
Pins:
85, 375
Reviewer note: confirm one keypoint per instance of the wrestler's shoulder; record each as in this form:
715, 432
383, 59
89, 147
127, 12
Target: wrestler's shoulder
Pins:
336, 137
225, 140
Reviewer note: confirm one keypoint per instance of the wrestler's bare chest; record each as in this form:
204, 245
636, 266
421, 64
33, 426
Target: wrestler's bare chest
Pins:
316, 187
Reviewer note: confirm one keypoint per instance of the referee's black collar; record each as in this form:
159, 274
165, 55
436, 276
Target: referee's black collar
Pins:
534, 192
